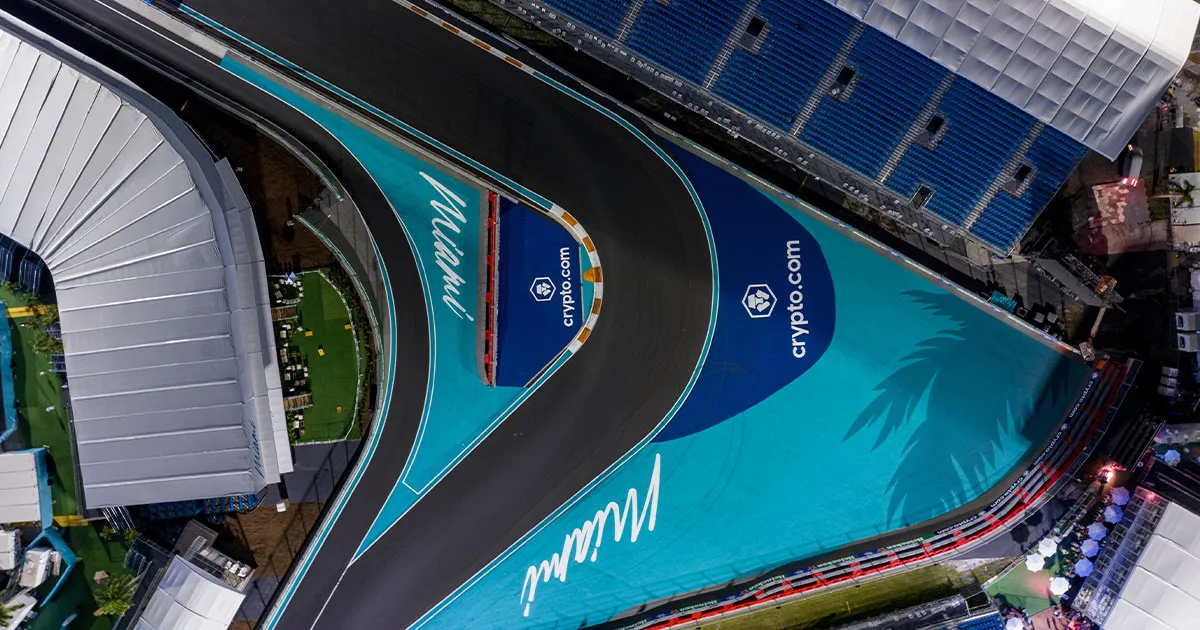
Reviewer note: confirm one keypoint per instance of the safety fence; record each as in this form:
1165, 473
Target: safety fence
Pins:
491, 293
1057, 463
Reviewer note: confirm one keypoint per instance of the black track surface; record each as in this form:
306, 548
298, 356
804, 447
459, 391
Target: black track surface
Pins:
656, 308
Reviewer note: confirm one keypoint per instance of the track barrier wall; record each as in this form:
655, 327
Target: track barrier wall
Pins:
1058, 462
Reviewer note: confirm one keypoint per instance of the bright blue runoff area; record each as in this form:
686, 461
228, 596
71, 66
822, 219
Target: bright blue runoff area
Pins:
7, 390
441, 216
539, 303
920, 403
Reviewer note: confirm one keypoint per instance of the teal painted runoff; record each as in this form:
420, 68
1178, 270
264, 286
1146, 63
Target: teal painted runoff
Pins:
441, 216
922, 402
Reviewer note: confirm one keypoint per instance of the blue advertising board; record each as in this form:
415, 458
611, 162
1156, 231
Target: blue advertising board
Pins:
540, 306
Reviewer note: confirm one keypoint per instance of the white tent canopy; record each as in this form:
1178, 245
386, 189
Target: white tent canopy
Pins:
188, 598
1059, 585
1014, 624
1090, 548
1163, 590
1120, 496
1035, 562
1047, 547
1113, 514
1097, 531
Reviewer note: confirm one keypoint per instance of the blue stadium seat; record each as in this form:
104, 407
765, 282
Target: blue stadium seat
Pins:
802, 39
603, 16
684, 36
1053, 156
981, 134
863, 131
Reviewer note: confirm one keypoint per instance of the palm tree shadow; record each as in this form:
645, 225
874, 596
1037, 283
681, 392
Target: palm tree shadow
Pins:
968, 418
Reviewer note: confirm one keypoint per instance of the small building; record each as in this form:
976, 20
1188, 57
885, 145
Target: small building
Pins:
10, 547
38, 566
25, 488
200, 588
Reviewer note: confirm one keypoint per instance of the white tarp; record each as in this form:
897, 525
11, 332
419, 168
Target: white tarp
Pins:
1092, 69
1035, 562
1163, 591
20, 493
155, 265
188, 598
1047, 547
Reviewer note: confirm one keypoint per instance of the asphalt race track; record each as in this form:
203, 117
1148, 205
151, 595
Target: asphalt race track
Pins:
632, 370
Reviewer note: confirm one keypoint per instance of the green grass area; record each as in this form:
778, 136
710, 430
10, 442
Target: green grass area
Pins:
14, 298
43, 419
76, 595
1026, 589
334, 376
851, 603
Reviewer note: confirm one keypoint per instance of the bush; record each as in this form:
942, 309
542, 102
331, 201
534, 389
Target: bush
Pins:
1160, 208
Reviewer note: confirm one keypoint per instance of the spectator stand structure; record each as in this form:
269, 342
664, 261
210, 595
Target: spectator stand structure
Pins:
1081, 430
956, 122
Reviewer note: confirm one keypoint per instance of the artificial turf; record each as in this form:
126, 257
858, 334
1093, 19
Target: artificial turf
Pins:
333, 377
849, 603
43, 421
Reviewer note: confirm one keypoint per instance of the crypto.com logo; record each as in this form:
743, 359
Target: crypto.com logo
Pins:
542, 289
759, 301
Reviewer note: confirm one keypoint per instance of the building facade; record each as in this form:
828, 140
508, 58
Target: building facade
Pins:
955, 117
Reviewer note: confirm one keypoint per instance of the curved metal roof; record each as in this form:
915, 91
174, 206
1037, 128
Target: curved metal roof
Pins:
160, 280
189, 599
1090, 68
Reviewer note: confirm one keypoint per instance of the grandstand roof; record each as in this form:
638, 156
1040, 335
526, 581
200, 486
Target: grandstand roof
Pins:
159, 276
188, 598
1163, 590
1090, 68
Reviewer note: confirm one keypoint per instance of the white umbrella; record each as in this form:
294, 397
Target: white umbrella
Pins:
1014, 623
1097, 531
1035, 561
1171, 457
1090, 548
1120, 496
1059, 585
1084, 567
1047, 547
1113, 514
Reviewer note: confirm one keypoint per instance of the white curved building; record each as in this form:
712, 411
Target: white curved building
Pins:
159, 275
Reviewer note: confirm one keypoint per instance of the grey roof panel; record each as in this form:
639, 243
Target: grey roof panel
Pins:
160, 280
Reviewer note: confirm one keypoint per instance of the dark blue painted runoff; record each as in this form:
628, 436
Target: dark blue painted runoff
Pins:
776, 314
540, 305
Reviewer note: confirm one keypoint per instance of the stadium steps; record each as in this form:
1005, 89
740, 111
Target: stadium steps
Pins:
731, 44
631, 16
1001, 178
917, 129
827, 80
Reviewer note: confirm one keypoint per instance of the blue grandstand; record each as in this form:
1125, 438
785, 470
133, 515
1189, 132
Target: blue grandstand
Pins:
898, 103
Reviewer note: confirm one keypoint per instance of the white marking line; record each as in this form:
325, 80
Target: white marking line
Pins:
695, 373
329, 598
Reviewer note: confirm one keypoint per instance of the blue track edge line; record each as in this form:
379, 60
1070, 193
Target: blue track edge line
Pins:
641, 445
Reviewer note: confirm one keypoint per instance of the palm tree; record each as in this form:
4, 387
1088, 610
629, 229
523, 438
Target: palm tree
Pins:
116, 597
957, 403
